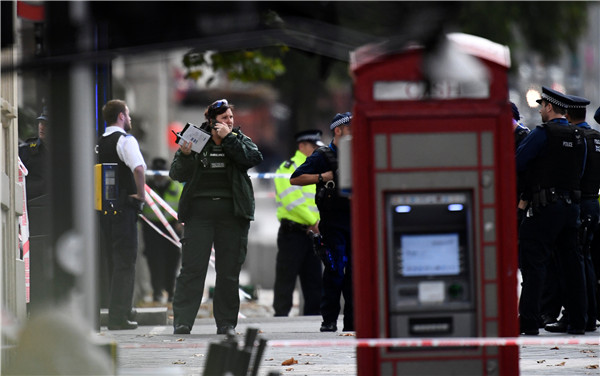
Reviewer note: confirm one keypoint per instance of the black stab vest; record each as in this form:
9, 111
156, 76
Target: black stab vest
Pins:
107, 153
590, 182
560, 163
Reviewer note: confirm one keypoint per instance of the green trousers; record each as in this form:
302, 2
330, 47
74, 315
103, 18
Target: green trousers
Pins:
211, 224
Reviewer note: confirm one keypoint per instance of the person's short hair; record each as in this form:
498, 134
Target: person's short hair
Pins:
577, 107
577, 113
217, 108
112, 109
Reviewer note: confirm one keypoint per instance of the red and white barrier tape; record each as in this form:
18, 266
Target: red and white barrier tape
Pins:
440, 342
398, 342
155, 228
159, 214
162, 202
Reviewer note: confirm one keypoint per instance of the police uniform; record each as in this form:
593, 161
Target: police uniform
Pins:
296, 211
162, 255
334, 226
520, 131
34, 155
553, 156
119, 240
589, 216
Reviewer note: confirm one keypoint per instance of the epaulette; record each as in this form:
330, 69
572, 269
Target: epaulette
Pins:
288, 163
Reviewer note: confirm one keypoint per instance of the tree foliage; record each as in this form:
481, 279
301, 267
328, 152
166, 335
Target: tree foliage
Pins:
542, 27
243, 65
545, 27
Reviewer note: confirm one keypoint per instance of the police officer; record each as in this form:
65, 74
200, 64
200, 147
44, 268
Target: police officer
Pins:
519, 130
34, 155
298, 214
595, 248
119, 238
321, 168
553, 156
590, 211
161, 254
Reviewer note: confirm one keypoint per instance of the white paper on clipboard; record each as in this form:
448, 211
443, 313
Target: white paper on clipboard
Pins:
197, 136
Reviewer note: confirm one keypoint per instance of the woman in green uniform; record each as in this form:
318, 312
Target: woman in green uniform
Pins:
216, 207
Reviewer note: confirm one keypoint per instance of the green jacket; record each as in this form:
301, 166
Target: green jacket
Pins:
242, 152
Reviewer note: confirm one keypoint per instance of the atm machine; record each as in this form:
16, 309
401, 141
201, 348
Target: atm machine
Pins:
433, 198
430, 265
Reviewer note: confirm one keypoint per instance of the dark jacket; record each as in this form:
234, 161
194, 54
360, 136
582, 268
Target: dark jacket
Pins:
242, 152
34, 155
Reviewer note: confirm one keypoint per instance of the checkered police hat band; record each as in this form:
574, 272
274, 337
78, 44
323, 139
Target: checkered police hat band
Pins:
553, 100
344, 120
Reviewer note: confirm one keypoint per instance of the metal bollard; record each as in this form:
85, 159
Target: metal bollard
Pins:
226, 359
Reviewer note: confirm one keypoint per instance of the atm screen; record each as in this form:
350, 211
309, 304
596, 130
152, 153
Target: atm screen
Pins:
429, 254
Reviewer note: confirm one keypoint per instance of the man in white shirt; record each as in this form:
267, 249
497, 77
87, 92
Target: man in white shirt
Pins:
119, 224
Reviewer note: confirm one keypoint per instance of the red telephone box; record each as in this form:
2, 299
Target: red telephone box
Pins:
434, 210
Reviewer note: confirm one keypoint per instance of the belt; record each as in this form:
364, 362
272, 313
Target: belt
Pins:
288, 225
549, 195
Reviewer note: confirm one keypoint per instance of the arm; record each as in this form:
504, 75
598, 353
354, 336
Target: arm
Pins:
308, 172
306, 179
530, 147
182, 167
140, 182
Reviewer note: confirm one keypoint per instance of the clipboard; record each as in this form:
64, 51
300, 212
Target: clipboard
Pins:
198, 136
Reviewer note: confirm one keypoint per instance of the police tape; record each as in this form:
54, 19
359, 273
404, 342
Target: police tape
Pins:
161, 217
400, 342
162, 202
253, 175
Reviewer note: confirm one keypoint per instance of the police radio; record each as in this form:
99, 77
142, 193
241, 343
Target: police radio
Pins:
106, 190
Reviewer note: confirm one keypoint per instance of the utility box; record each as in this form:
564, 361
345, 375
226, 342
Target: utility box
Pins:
434, 207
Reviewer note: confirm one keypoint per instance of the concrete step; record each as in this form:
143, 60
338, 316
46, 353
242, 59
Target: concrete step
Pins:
145, 316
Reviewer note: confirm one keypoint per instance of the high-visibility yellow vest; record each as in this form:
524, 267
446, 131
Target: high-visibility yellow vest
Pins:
295, 202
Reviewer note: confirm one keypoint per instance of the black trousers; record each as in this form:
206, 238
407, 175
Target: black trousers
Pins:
554, 226
119, 240
555, 292
211, 223
163, 259
296, 258
338, 283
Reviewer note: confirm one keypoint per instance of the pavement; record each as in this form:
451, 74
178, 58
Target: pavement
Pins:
155, 350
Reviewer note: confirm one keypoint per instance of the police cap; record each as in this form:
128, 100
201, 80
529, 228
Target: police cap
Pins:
311, 135
554, 97
340, 119
577, 102
42, 116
